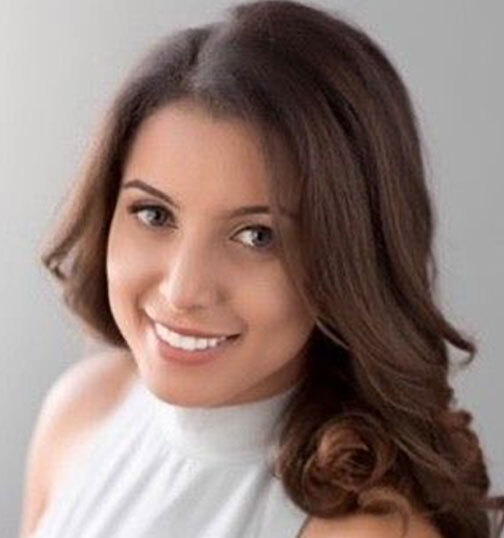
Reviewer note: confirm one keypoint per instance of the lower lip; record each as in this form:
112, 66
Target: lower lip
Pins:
197, 357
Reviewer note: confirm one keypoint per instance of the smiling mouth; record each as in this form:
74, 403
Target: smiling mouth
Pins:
171, 353
192, 333
188, 342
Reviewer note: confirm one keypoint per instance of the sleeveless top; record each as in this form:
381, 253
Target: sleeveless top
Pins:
158, 470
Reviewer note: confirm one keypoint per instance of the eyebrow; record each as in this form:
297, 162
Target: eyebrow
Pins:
240, 211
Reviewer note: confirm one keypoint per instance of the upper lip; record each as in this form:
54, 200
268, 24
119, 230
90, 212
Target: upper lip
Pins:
191, 332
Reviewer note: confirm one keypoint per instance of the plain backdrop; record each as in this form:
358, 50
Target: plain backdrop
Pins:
60, 62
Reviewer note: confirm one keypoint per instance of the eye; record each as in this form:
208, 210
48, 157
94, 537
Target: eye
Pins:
261, 235
264, 235
151, 209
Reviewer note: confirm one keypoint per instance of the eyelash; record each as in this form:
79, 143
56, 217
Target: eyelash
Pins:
137, 208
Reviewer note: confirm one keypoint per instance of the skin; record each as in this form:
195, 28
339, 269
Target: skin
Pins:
196, 266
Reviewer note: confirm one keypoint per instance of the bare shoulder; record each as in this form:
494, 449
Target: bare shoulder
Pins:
84, 394
369, 526
80, 398
88, 389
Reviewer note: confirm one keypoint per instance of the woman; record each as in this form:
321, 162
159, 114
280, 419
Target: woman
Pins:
293, 388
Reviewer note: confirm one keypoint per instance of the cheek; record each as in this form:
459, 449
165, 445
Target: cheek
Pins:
124, 270
127, 257
273, 310
118, 272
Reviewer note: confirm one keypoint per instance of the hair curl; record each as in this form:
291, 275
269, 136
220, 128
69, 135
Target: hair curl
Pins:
373, 426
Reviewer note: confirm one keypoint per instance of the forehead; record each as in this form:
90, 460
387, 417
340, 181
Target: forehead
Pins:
183, 148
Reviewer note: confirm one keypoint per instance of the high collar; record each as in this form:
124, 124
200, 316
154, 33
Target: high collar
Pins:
233, 432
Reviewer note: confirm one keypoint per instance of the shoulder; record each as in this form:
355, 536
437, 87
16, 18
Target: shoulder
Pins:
369, 526
80, 397
87, 389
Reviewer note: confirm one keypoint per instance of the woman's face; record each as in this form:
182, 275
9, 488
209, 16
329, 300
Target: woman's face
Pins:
196, 265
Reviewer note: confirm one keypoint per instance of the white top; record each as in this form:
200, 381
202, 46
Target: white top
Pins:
157, 470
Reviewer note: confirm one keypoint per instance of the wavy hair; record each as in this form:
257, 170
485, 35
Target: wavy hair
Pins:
373, 426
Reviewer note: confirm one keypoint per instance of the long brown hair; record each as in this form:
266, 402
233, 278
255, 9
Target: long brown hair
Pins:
375, 413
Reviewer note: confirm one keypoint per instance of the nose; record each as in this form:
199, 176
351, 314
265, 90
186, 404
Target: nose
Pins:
189, 279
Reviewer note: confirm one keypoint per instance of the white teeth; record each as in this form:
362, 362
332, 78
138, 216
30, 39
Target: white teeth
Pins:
189, 343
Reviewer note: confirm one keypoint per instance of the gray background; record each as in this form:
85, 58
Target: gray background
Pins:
61, 61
